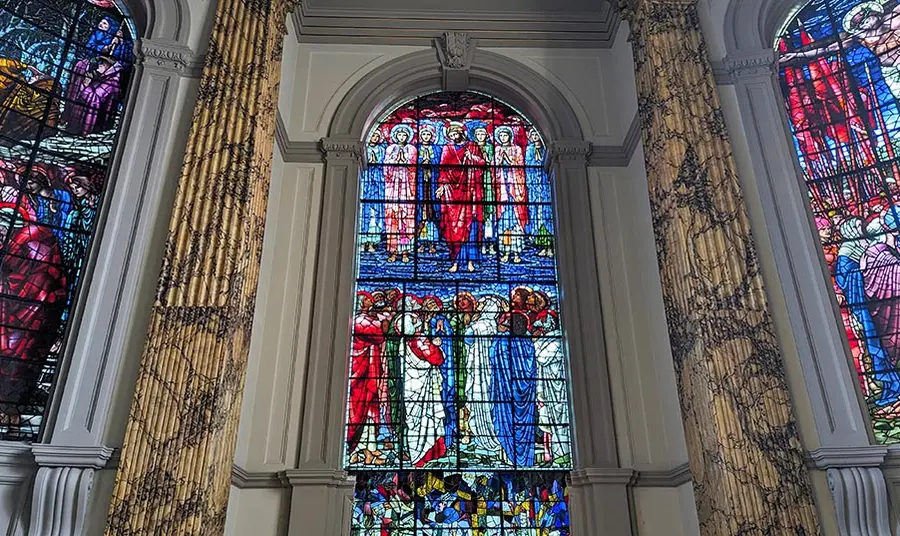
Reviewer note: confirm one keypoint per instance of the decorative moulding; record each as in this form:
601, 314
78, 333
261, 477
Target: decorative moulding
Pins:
170, 57
593, 476
288, 478
95, 457
570, 151
310, 152
243, 479
549, 28
862, 456
667, 478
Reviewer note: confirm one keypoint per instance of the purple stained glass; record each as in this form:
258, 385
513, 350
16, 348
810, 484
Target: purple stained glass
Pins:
64, 72
457, 361
841, 84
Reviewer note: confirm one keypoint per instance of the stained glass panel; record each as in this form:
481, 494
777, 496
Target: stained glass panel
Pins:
457, 366
64, 72
841, 82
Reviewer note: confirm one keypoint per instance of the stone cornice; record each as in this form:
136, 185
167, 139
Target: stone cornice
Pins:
169, 57
315, 24
836, 457
94, 457
243, 479
593, 476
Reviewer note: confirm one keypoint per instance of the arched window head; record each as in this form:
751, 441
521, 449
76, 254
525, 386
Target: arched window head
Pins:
458, 414
64, 71
839, 67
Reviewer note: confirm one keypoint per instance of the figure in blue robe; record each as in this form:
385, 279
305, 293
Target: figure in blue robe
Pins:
849, 279
428, 214
514, 390
540, 215
101, 37
371, 221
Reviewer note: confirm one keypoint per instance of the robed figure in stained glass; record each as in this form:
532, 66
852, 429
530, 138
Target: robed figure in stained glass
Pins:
371, 220
513, 382
461, 193
32, 300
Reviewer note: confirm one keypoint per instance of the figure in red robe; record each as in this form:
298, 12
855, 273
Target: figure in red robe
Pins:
461, 192
368, 384
33, 295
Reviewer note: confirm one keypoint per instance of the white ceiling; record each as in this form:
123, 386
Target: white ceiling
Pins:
568, 23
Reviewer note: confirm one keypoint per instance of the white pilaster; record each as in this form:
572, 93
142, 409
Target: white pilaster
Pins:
94, 390
321, 492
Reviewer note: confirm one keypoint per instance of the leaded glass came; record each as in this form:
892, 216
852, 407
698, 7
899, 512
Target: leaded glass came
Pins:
64, 72
458, 413
840, 77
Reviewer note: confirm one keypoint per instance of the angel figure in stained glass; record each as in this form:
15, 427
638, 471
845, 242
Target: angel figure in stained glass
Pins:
512, 199
399, 194
429, 209
480, 361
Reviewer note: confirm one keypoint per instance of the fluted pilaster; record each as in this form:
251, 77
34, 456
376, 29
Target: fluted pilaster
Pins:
743, 443
175, 469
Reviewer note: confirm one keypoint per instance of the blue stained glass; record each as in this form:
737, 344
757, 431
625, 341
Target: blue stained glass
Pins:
457, 364
64, 72
840, 77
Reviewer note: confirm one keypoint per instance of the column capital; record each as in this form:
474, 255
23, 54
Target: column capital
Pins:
337, 149
752, 65
629, 9
95, 457
570, 152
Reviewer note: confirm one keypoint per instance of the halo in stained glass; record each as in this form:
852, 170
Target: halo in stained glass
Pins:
841, 84
64, 73
458, 370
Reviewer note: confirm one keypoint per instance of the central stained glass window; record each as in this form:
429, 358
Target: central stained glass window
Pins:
458, 416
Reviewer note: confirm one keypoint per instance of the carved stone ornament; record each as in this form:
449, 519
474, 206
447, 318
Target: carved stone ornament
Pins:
456, 50
341, 149
570, 151
760, 64
169, 57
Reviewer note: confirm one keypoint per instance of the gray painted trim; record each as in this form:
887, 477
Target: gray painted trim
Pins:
618, 155
300, 152
721, 74
840, 457
545, 29
665, 478
310, 152
243, 479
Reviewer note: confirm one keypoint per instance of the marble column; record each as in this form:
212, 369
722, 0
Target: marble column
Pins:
175, 470
743, 443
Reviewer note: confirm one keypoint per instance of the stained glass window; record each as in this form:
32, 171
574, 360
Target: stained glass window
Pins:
458, 413
64, 71
840, 75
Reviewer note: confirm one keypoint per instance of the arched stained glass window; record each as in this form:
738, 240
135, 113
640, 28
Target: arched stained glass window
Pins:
458, 414
64, 70
839, 67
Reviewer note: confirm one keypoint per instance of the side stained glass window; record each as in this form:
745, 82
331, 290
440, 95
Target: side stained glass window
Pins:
839, 67
458, 415
64, 72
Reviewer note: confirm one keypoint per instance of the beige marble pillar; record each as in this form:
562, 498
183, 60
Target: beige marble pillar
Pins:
743, 442
175, 469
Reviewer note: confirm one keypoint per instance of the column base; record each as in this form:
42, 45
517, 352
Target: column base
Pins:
599, 502
321, 501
